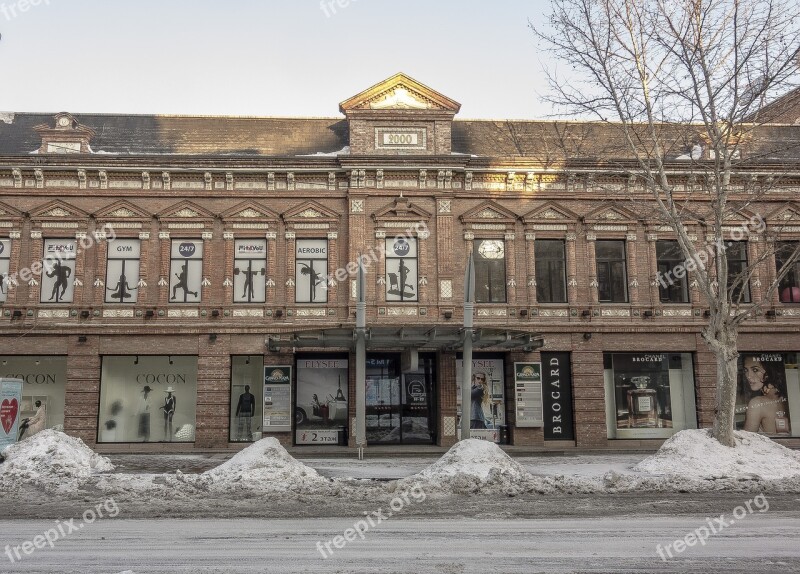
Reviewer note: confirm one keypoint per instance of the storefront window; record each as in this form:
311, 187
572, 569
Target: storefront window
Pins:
487, 410
58, 272
401, 269
122, 275
186, 271
44, 381
675, 288
247, 388
551, 271
769, 394
5, 263
490, 271
250, 271
649, 395
320, 413
311, 271
789, 289
148, 399
612, 272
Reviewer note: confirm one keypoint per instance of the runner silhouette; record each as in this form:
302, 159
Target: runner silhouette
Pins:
182, 283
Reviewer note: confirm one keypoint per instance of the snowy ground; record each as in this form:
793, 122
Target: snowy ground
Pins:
764, 544
475, 509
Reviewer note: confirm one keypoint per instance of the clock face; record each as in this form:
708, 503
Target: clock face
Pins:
492, 249
63, 122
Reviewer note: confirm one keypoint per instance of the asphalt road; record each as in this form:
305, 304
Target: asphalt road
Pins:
758, 543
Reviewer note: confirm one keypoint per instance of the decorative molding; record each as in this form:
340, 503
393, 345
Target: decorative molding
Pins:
118, 313
615, 313
183, 313
144, 235
448, 426
492, 313
469, 236
53, 314
249, 313
446, 289
163, 234
676, 312
36, 234
207, 235
357, 206
402, 311
290, 236
553, 313
333, 235
228, 236
311, 312
445, 206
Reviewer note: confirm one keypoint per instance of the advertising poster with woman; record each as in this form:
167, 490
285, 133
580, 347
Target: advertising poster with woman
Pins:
487, 405
321, 400
762, 403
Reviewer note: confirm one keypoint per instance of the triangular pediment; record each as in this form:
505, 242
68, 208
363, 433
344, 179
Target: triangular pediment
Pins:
58, 210
9, 213
489, 212
249, 211
550, 212
310, 211
611, 214
400, 92
787, 213
122, 210
185, 210
402, 209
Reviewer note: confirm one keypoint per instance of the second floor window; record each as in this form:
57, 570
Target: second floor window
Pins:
58, 271
612, 272
738, 286
186, 271
122, 271
490, 271
551, 271
311, 263
401, 269
250, 271
672, 289
5, 264
789, 289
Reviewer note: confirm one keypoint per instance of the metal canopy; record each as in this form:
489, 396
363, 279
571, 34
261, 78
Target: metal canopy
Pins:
430, 337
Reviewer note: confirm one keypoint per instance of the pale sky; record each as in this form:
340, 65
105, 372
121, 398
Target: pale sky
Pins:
265, 57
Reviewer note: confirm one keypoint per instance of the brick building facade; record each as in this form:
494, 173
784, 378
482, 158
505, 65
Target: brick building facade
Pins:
187, 256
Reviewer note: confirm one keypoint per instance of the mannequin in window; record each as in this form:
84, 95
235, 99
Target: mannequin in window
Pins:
170, 402
34, 424
245, 411
144, 415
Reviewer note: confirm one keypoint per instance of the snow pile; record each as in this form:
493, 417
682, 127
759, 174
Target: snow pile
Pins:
694, 454
7, 117
264, 466
472, 465
52, 461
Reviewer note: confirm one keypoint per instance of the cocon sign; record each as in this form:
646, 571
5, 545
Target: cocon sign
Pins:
161, 378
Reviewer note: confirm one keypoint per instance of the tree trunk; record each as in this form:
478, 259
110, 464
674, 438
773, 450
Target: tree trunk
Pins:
722, 342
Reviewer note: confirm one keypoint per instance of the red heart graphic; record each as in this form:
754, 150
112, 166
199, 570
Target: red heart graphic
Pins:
8, 414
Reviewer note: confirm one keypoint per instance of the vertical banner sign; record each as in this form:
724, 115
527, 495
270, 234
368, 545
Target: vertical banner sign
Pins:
10, 399
528, 385
557, 379
277, 398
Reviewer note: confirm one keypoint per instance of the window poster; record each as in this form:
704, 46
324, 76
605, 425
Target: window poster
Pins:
321, 404
487, 407
767, 385
58, 271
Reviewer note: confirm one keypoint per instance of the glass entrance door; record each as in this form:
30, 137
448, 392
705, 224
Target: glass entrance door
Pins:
401, 408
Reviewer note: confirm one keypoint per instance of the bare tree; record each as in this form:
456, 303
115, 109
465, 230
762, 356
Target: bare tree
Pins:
693, 73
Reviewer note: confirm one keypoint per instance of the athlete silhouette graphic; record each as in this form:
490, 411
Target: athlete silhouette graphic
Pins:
62, 274
183, 277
